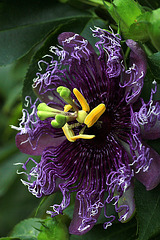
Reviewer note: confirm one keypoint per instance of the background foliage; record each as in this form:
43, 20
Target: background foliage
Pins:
27, 30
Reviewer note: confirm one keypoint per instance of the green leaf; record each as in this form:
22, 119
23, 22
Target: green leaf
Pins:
124, 12
46, 203
17, 204
121, 231
27, 229
154, 27
154, 64
11, 83
70, 209
148, 209
7, 150
9, 238
25, 23
138, 29
149, 4
53, 228
8, 171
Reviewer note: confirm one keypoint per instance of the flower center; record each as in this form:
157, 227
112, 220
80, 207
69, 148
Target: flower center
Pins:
83, 117
101, 129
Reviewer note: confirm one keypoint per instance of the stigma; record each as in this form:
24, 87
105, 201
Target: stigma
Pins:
82, 117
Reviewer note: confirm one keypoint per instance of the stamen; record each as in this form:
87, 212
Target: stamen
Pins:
62, 117
67, 107
82, 136
65, 93
94, 115
68, 132
81, 100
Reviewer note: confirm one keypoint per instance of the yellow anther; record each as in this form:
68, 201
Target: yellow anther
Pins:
67, 107
68, 133
94, 115
82, 136
81, 100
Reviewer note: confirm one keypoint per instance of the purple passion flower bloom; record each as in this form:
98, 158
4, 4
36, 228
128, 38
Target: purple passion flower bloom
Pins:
89, 125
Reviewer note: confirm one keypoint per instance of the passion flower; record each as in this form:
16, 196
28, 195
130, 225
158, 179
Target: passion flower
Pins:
89, 125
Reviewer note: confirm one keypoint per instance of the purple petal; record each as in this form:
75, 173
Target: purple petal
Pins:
77, 221
134, 77
152, 132
146, 165
37, 146
127, 199
150, 120
75, 45
147, 119
151, 178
